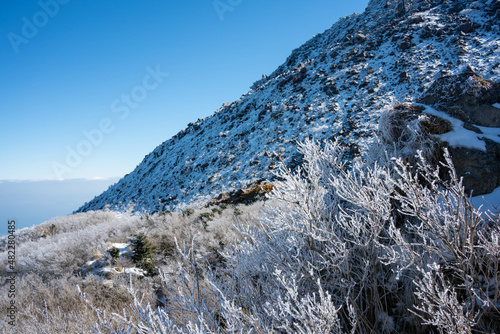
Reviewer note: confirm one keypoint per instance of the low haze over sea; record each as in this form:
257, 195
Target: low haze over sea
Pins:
33, 202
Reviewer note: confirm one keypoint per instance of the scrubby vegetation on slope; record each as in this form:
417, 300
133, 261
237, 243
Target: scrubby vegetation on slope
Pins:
380, 247
61, 254
383, 243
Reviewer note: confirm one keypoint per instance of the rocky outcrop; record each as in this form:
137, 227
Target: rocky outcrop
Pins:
404, 113
470, 98
467, 96
246, 196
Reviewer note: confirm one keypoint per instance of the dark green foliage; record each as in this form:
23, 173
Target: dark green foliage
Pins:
114, 252
207, 215
143, 252
237, 211
149, 267
163, 213
142, 248
52, 229
187, 212
217, 210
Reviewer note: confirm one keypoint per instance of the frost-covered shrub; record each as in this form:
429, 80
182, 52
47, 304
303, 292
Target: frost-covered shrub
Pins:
452, 249
47, 297
373, 246
379, 247
73, 245
54, 306
60, 225
404, 130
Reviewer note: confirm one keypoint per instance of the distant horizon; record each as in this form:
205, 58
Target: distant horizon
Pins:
96, 178
31, 203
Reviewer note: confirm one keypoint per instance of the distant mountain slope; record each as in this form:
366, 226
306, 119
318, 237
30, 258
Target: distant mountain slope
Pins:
335, 85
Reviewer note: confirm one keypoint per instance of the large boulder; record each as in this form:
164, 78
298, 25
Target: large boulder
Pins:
480, 169
249, 195
466, 96
470, 98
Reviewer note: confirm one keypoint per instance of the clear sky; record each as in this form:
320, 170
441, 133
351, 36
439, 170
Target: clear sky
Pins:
84, 86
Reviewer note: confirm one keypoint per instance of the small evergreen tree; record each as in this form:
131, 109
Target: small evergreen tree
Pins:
143, 253
114, 252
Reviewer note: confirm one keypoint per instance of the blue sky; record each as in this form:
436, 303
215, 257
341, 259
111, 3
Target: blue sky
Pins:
84, 87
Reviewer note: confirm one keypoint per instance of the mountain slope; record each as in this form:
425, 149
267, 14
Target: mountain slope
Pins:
335, 85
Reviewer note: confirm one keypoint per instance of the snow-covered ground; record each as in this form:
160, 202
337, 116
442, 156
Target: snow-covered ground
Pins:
121, 266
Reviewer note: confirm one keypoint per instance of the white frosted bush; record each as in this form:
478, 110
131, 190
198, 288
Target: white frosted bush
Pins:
371, 247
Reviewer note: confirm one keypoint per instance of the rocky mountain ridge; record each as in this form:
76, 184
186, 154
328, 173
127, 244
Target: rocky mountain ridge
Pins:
334, 86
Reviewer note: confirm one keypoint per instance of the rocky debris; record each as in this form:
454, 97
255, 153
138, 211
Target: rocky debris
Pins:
466, 96
494, 9
492, 147
405, 44
479, 169
471, 127
299, 77
470, 98
331, 88
406, 113
404, 75
246, 196
466, 27
359, 37
435, 125
417, 19
401, 8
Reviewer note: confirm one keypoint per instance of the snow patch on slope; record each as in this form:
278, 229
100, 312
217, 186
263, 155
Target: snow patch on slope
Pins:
460, 136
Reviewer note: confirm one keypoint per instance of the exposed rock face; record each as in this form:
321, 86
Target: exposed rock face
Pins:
470, 98
467, 96
407, 113
246, 196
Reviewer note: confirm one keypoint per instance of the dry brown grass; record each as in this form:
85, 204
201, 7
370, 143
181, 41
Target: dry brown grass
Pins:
49, 301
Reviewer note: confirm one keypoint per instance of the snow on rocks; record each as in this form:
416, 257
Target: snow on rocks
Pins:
333, 86
461, 136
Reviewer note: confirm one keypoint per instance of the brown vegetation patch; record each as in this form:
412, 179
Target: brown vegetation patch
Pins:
435, 125
246, 196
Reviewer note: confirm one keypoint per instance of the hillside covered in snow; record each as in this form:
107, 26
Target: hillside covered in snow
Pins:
334, 86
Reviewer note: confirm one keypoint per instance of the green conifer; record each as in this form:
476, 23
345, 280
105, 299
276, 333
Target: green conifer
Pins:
143, 253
